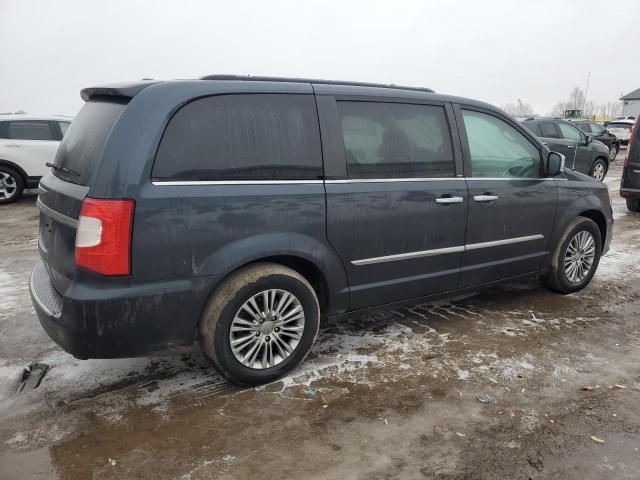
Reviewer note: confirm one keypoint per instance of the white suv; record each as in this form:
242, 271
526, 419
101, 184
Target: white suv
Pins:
27, 143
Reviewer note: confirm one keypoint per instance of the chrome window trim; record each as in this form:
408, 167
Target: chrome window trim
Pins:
59, 217
235, 182
389, 180
446, 250
532, 179
173, 183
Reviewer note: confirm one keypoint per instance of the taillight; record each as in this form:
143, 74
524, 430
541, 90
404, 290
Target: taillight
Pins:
103, 239
632, 141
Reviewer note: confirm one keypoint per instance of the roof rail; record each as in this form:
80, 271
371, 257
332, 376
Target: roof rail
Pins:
312, 80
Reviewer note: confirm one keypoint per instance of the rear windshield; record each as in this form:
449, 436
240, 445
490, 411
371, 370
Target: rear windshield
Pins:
620, 125
85, 139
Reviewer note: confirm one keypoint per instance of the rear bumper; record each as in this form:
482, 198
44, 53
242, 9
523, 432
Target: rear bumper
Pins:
629, 192
98, 321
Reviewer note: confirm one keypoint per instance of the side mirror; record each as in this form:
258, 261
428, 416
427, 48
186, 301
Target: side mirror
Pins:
588, 139
555, 164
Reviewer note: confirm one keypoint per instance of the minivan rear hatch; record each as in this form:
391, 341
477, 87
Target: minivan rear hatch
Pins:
63, 192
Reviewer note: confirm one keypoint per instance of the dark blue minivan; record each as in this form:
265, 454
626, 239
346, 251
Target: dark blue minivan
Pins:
236, 211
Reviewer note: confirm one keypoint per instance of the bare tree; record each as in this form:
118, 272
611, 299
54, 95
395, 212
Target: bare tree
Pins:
519, 109
589, 108
576, 99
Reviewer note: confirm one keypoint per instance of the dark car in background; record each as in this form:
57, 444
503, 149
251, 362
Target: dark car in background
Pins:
630, 183
582, 152
235, 212
601, 134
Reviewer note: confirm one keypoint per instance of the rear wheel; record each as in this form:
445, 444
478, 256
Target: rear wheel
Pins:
260, 324
613, 151
598, 169
11, 185
633, 204
575, 258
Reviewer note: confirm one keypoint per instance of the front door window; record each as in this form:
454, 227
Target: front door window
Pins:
499, 150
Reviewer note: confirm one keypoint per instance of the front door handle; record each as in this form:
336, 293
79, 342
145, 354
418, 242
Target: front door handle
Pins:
449, 200
569, 146
485, 198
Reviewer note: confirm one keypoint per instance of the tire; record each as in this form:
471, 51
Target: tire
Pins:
598, 169
226, 307
613, 152
11, 185
633, 204
557, 278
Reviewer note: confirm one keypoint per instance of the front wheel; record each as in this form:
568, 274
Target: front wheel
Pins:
260, 323
576, 257
598, 169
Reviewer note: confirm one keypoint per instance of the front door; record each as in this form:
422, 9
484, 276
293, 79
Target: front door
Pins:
511, 204
396, 211
579, 149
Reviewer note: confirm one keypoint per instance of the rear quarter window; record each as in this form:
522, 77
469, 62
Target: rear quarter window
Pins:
242, 137
29, 130
84, 140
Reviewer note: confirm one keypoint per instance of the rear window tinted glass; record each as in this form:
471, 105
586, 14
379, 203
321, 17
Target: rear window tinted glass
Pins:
29, 130
548, 130
84, 140
242, 137
620, 125
387, 140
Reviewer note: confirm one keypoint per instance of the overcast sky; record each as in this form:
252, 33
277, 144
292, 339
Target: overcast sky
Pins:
495, 51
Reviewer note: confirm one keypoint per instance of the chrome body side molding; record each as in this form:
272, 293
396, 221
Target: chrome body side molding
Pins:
444, 251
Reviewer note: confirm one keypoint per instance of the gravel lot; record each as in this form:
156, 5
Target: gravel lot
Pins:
392, 395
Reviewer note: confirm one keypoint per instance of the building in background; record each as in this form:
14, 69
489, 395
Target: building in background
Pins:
631, 103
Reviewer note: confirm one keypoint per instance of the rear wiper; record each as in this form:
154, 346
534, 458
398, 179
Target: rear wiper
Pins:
62, 169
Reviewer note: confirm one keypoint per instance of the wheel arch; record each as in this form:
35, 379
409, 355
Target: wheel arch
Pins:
599, 219
312, 259
591, 206
16, 167
305, 267
602, 157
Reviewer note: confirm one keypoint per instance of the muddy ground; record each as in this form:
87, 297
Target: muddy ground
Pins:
393, 395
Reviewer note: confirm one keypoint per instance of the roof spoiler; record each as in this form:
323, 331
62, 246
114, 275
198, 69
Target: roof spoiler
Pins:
122, 90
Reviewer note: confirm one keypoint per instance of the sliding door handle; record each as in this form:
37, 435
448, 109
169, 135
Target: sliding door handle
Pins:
485, 198
449, 200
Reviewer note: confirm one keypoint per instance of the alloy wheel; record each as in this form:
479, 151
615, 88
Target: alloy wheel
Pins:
613, 151
579, 256
8, 186
599, 171
267, 328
